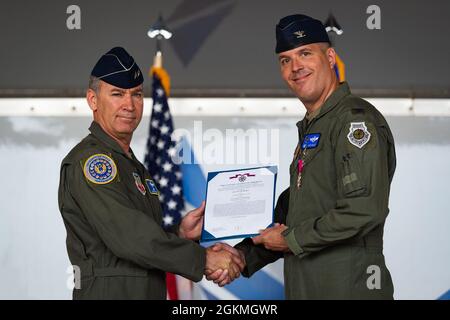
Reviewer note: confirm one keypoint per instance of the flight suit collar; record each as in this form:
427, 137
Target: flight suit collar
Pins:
310, 116
341, 91
100, 134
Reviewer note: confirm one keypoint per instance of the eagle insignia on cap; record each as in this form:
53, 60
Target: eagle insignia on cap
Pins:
300, 34
297, 30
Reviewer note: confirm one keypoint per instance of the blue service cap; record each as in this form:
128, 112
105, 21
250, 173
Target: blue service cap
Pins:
118, 68
297, 30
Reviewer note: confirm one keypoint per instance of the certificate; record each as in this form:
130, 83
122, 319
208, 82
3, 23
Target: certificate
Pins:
239, 203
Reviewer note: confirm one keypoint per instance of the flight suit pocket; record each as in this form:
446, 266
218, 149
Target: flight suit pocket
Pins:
307, 156
352, 176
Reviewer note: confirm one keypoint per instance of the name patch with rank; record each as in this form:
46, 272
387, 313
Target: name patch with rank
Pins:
358, 135
100, 169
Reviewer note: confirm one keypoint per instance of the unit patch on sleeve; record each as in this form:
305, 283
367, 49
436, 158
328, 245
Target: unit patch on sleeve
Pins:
100, 169
358, 135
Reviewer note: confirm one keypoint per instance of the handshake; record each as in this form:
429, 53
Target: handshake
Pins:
223, 263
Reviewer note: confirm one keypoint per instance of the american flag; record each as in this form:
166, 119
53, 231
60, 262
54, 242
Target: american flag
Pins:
158, 160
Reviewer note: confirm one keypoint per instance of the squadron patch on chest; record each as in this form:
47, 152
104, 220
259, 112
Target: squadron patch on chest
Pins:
311, 141
140, 186
100, 169
358, 134
151, 186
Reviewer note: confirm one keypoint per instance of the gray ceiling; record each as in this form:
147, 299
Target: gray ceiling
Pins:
221, 45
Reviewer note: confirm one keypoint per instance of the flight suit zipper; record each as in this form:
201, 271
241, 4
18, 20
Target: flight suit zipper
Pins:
300, 160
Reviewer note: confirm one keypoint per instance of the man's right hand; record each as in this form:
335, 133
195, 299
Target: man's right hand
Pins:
223, 275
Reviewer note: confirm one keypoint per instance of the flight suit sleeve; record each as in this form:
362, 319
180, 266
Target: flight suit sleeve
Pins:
129, 233
363, 183
256, 256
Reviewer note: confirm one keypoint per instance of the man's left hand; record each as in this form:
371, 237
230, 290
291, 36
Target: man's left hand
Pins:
192, 223
272, 238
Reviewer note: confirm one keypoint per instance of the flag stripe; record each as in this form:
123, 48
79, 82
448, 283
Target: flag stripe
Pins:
171, 284
159, 162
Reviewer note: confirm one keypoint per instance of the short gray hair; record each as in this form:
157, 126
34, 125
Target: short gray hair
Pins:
324, 46
94, 83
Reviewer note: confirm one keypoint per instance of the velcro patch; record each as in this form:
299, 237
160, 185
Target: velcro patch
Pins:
138, 183
100, 169
358, 134
311, 141
151, 186
352, 177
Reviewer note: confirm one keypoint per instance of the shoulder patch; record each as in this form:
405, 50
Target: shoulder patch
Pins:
100, 169
358, 135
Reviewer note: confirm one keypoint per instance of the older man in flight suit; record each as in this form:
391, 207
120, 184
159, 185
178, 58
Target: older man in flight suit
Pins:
110, 205
331, 218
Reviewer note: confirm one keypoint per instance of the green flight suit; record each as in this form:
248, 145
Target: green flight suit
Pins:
114, 232
336, 217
